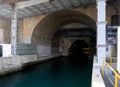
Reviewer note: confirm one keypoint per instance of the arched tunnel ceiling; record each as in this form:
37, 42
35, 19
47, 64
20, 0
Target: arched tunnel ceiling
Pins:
45, 29
46, 7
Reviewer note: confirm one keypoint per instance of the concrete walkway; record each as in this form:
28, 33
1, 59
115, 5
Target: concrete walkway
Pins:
97, 80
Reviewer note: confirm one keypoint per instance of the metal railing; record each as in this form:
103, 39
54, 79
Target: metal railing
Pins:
116, 74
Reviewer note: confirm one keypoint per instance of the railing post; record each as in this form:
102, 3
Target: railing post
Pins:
110, 61
116, 81
103, 69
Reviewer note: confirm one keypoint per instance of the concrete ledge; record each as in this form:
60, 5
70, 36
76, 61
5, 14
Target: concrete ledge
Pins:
97, 80
16, 63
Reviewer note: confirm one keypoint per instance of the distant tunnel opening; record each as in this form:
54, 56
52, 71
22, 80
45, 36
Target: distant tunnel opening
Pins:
79, 49
75, 41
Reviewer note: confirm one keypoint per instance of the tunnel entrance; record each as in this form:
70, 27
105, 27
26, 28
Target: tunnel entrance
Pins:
51, 42
79, 51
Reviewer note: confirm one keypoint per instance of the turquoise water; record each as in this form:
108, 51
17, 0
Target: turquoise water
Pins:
56, 73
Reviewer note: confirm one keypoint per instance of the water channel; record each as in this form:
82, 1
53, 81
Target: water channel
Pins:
61, 72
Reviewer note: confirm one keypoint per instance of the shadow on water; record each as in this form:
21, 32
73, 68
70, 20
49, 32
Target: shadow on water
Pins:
56, 68
72, 71
78, 59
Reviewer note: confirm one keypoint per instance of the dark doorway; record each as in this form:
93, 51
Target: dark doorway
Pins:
79, 51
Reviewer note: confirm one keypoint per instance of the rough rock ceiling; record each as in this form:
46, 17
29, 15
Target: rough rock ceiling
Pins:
44, 8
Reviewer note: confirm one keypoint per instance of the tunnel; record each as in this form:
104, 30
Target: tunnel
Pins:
50, 34
79, 50
74, 40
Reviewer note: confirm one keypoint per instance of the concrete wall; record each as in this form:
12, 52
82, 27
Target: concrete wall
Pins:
43, 50
20, 36
28, 27
5, 25
16, 63
10, 64
26, 49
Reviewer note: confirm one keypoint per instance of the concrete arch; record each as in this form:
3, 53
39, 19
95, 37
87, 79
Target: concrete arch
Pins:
45, 29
